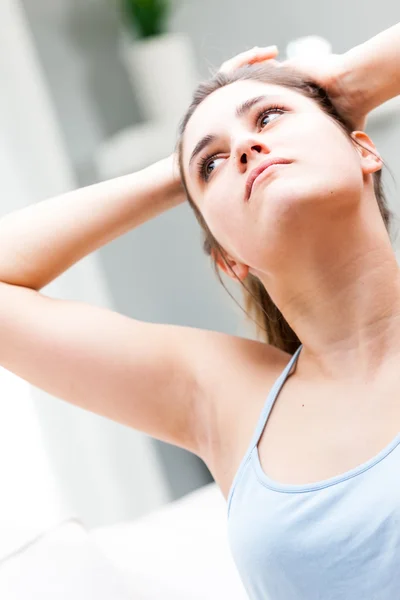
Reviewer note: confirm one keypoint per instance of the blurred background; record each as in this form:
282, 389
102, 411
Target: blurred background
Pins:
93, 89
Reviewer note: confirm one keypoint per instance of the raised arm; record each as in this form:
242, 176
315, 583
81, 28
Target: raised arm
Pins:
370, 72
139, 374
358, 81
39, 242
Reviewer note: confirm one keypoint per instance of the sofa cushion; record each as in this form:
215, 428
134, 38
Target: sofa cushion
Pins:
180, 551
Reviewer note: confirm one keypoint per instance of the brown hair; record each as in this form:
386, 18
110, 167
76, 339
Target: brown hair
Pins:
258, 303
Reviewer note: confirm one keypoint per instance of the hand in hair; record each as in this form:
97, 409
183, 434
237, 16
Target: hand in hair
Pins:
327, 71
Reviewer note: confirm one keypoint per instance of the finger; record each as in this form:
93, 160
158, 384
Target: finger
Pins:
262, 53
249, 57
233, 64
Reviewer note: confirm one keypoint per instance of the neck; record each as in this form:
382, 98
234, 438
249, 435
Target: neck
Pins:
340, 293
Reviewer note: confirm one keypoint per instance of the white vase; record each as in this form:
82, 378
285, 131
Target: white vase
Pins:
162, 74
310, 46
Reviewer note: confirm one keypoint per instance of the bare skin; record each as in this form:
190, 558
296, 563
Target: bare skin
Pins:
320, 217
315, 431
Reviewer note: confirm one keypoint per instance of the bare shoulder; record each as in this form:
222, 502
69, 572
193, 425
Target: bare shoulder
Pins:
237, 375
193, 388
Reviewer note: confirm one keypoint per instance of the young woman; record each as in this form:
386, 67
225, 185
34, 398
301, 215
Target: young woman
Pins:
288, 193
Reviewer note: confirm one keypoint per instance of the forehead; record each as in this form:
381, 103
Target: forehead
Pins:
217, 111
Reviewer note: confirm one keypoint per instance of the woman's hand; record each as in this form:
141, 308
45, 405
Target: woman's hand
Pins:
328, 71
249, 57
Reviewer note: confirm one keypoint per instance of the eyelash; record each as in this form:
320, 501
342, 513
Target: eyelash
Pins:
203, 162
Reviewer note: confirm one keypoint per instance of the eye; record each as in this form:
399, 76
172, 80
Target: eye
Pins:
266, 113
207, 164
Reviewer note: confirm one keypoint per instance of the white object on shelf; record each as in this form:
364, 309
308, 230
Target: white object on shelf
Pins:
162, 74
311, 45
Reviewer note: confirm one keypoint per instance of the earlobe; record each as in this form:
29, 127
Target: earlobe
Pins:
371, 160
230, 267
241, 271
234, 270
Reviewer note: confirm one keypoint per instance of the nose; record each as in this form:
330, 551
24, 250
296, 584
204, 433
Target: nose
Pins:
248, 149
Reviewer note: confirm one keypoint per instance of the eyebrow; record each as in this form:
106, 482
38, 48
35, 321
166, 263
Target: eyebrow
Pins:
240, 112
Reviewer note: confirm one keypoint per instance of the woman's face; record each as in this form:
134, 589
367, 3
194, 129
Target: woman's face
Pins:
247, 123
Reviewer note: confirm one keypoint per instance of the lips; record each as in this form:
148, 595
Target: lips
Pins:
260, 169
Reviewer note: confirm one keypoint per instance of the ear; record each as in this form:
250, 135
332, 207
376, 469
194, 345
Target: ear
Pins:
370, 157
234, 269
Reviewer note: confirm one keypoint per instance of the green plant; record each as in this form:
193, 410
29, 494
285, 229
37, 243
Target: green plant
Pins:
147, 17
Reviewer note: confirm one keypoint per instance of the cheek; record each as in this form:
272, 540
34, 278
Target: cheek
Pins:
330, 159
342, 170
334, 149
225, 216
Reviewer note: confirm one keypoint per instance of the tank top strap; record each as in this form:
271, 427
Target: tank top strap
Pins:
262, 421
274, 391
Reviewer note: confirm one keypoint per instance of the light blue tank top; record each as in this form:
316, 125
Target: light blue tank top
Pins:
337, 539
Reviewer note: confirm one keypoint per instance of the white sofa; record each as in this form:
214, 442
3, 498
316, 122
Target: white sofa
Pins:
179, 552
